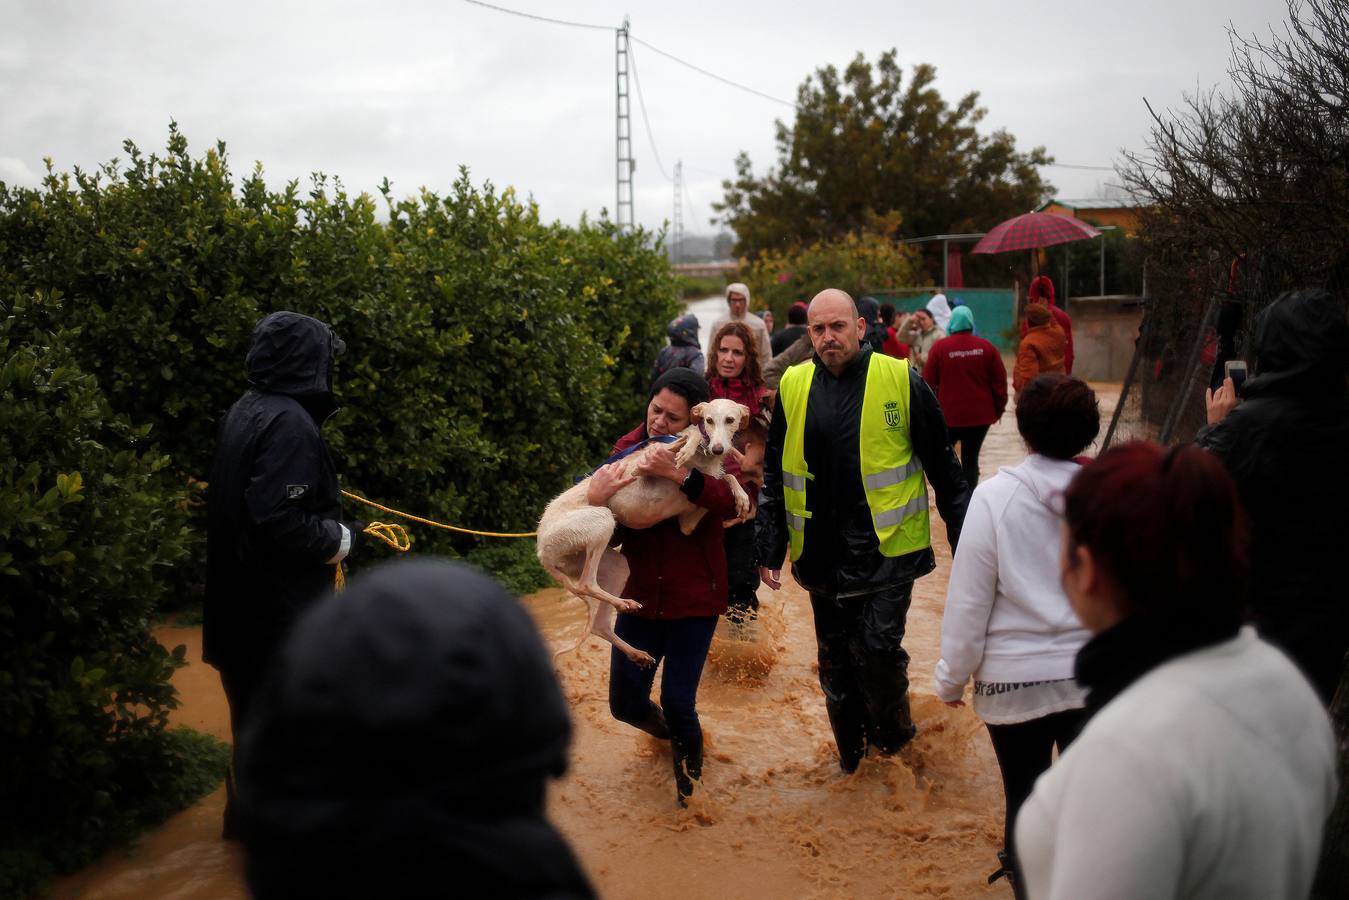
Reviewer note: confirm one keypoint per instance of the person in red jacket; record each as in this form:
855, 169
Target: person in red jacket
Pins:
1042, 291
893, 345
679, 579
733, 374
971, 385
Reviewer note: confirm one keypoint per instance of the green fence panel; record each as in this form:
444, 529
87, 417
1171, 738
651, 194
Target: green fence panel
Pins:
994, 310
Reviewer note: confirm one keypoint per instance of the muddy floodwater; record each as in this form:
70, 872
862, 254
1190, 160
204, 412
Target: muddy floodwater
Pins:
776, 818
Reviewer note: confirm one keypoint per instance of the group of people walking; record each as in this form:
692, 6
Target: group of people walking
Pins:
1095, 607
1085, 608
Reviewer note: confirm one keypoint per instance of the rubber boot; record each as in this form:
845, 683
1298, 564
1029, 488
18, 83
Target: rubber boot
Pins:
688, 768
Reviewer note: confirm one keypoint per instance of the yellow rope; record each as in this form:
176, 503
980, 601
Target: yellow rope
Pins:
411, 517
394, 535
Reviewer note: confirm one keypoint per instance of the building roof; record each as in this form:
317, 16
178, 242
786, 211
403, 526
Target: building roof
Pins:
1099, 203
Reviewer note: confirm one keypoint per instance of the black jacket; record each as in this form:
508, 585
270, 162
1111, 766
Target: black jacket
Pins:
842, 555
274, 507
781, 340
1284, 446
403, 746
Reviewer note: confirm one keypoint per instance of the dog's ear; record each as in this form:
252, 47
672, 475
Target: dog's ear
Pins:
697, 412
744, 415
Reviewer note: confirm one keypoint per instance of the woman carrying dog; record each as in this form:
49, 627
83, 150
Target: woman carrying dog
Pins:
679, 579
733, 374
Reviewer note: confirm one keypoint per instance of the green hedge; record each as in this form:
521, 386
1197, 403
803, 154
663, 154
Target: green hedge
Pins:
89, 521
490, 354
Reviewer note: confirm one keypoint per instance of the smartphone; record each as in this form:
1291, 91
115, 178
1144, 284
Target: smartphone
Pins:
1235, 369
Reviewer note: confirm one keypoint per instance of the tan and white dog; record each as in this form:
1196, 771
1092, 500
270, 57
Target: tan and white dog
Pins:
573, 535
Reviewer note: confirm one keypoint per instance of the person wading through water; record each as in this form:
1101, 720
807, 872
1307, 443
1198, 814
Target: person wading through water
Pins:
857, 543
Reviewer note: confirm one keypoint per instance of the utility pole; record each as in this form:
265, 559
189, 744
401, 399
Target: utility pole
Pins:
677, 220
625, 164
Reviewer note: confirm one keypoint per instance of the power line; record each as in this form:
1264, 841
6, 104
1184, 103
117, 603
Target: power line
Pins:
699, 69
651, 47
1070, 166
641, 104
525, 15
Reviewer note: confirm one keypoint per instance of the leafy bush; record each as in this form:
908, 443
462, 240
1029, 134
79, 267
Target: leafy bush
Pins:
490, 354
858, 262
691, 288
88, 522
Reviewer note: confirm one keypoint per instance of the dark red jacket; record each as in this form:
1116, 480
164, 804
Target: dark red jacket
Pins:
893, 345
673, 575
970, 380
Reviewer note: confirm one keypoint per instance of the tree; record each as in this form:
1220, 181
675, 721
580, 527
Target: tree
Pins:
1262, 170
865, 146
1259, 173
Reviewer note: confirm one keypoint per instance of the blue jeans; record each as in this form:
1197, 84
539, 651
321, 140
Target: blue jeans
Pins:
683, 645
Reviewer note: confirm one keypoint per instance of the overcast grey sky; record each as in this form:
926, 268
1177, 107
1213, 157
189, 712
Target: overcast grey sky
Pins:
412, 90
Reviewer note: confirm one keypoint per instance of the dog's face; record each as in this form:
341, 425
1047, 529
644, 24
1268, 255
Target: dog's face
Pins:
719, 420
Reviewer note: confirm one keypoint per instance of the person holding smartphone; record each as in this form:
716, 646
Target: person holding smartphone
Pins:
1281, 436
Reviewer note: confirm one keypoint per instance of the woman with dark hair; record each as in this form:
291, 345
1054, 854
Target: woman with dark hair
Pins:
680, 580
1007, 623
733, 374
1207, 767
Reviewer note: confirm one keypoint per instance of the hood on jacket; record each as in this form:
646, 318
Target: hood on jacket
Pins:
1038, 315
407, 734
1301, 341
1042, 288
962, 319
940, 309
293, 354
683, 331
738, 288
1046, 478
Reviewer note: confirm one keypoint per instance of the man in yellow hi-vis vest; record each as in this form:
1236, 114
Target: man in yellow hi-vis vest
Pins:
856, 437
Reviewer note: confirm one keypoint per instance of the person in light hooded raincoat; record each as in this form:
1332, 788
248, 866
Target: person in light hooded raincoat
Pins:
940, 309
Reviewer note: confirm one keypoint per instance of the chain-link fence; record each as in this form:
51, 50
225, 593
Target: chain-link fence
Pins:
1197, 316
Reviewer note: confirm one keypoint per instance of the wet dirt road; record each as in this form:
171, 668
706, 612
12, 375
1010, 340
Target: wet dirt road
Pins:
776, 817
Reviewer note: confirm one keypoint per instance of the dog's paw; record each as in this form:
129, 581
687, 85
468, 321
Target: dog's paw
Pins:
626, 605
741, 505
642, 658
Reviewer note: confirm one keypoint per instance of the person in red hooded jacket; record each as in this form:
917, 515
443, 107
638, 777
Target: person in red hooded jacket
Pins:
1042, 291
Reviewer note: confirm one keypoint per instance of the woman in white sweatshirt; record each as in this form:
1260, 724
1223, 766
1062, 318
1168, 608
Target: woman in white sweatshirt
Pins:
1207, 767
1007, 623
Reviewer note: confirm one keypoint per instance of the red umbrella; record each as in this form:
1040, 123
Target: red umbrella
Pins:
1033, 231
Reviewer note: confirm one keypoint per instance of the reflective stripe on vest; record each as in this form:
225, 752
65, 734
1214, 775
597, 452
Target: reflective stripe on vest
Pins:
892, 476
794, 389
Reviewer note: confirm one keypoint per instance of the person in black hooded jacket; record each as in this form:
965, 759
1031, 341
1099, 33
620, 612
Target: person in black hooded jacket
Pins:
274, 526
1283, 445
403, 744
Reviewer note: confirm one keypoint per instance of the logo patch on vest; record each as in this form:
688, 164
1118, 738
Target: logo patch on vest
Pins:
296, 491
892, 414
